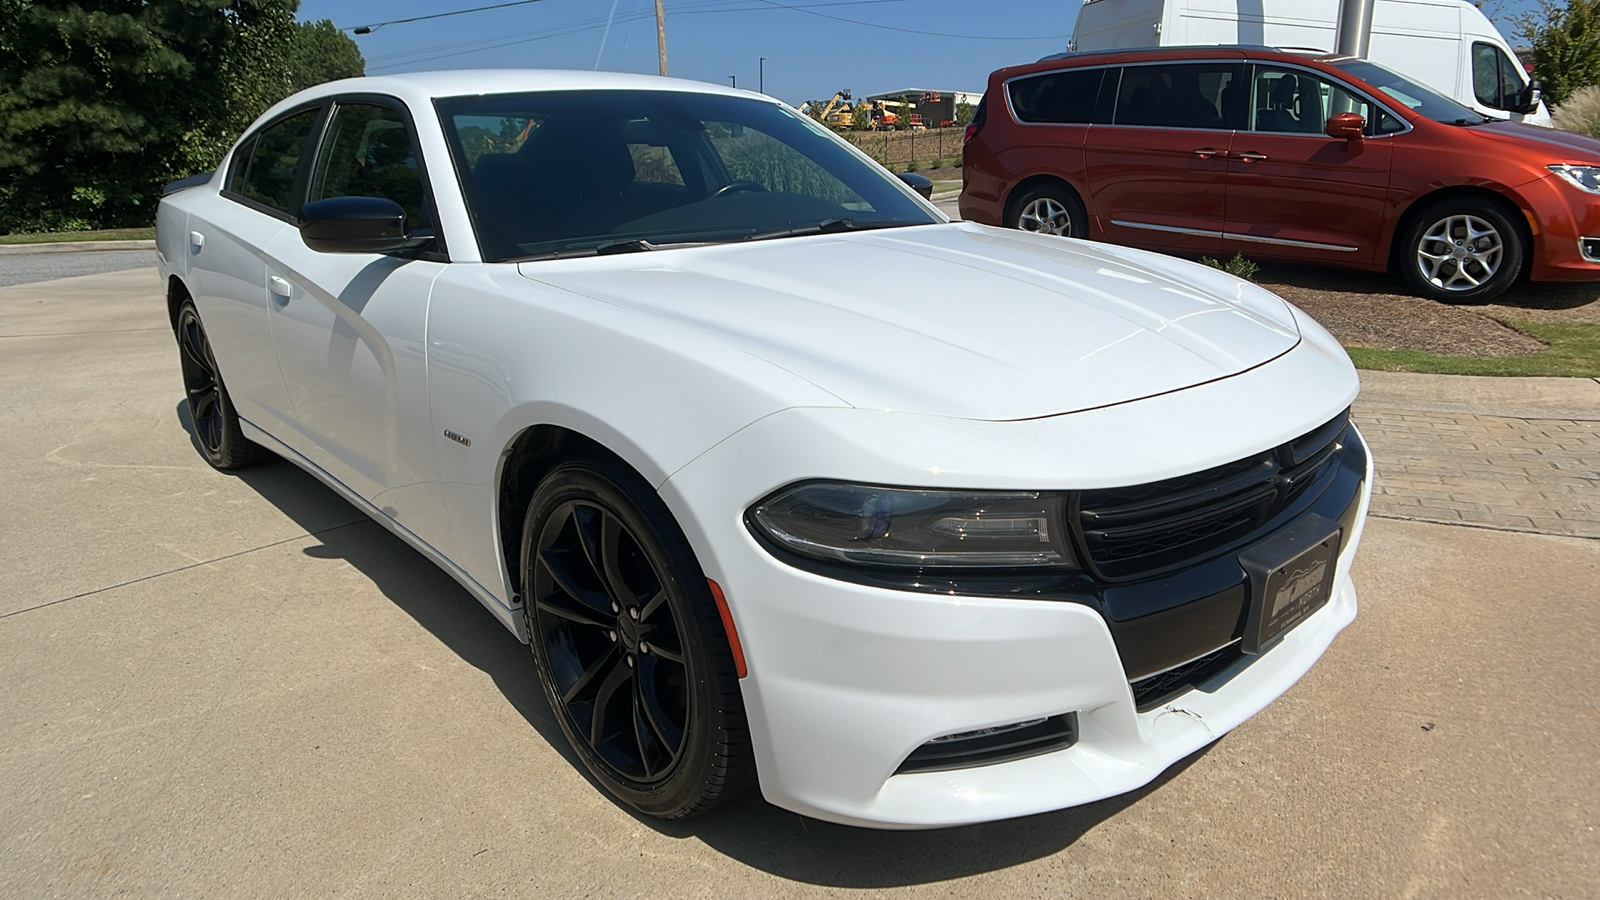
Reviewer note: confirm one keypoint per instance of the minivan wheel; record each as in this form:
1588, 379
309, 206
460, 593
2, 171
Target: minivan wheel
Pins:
1462, 252
629, 644
1049, 210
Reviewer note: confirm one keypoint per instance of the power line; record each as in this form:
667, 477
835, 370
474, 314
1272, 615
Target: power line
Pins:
368, 29
970, 37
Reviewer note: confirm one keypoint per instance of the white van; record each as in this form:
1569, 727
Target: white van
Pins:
1448, 45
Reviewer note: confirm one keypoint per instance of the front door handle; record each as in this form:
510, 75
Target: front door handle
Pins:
196, 241
1209, 152
279, 287
1250, 156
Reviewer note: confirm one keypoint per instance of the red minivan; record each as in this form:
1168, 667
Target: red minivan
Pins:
1292, 156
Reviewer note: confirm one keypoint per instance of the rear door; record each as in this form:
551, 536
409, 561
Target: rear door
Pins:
1157, 169
227, 243
1295, 192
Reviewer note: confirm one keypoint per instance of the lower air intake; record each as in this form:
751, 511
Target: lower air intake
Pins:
987, 746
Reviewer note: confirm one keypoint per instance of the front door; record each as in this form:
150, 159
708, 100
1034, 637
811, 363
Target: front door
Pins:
1157, 172
1293, 191
350, 328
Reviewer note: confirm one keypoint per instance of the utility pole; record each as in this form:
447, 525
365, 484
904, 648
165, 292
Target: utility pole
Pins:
761, 80
733, 80
661, 37
1354, 37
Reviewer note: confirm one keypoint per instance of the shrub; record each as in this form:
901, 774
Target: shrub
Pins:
1580, 113
1238, 267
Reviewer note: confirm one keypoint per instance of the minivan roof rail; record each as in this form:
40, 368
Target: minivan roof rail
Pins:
1072, 53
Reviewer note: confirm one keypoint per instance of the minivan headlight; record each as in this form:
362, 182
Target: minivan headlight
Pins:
1585, 177
911, 528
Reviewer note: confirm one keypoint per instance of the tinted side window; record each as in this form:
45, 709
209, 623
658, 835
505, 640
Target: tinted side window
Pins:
241, 163
1296, 102
1494, 82
1057, 97
1186, 95
269, 178
367, 152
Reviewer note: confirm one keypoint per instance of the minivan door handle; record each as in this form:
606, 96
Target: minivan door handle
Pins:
1250, 156
1209, 152
279, 287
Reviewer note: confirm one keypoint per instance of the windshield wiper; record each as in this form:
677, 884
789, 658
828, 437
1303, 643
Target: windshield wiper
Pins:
636, 245
1468, 123
826, 226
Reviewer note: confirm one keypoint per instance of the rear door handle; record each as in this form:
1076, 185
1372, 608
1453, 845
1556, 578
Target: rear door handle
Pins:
279, 287
1209, 152
196, 241
1250, 156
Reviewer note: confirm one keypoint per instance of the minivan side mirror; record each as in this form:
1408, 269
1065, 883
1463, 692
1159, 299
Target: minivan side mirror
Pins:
1528, 99
1346, 126
919, 183
357, 225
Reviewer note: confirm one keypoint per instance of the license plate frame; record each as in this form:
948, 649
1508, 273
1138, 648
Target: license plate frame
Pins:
1290, 576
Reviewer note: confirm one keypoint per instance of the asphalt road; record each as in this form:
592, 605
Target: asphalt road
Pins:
239, 686
27, 268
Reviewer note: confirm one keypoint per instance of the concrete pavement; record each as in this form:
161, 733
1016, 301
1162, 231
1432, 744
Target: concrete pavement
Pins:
233, 686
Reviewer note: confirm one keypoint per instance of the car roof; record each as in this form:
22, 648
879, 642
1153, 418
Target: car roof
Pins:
418, 88
1056, 61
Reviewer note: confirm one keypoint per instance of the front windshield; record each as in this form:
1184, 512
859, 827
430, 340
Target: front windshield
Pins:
1403, 90
557, 173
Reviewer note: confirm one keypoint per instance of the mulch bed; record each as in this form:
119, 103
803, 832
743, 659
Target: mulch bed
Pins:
1368, 310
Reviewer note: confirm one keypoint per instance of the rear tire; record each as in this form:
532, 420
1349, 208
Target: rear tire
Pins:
1049, 209
1463, 251
216, 425
629, 644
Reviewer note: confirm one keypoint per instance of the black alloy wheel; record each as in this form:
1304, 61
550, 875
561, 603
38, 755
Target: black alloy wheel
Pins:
216, 426
628, 643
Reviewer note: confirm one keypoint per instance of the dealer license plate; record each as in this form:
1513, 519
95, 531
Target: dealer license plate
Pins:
1291, 577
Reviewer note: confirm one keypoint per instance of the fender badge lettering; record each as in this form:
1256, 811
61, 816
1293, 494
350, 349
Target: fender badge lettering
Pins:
460, 439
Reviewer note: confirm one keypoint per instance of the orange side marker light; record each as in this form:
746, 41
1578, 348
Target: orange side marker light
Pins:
727, 625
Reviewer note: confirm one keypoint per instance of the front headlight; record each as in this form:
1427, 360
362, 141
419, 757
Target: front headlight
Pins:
1585, 177
909, 528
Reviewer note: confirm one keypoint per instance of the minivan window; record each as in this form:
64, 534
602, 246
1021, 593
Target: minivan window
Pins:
1295, 101
1185, 95
1402, 90
1494, 82
1057, 97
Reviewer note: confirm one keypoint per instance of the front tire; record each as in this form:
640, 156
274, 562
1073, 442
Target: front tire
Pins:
1049, 209
628, 642
216, 425
1462, 252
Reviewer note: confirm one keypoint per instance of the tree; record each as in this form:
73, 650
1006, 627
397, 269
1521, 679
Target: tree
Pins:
964, 113
1565, 39
103, 101
322, 53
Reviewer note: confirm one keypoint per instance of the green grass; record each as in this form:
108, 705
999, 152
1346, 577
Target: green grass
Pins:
50, 237
1574, 353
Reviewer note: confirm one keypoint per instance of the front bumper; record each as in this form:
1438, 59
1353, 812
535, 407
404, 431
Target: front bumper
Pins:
1562, 217
846, 680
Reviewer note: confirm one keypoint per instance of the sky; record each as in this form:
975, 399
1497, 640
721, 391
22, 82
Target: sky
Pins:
810, 53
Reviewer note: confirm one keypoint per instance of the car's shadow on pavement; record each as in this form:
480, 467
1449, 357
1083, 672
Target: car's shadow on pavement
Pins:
749, 829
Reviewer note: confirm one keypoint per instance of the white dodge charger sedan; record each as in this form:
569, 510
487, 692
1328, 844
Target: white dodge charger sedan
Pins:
784, 477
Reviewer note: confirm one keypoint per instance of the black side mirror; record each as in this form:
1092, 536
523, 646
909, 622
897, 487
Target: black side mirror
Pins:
919, 183
357, 225
1529, 98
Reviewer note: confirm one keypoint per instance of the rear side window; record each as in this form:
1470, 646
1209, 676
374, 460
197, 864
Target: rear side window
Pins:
269, 178
1057, 97
1494, 80
1186, 95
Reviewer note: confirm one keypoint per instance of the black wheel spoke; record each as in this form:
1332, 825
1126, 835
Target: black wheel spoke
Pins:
558, 564
616, 678
575, 693
610, 569
654, 604
640, 729
666, 654
667, 735
571, 614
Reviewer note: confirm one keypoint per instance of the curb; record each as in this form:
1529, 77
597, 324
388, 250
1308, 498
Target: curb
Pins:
1575, 399
945, 195
74, 247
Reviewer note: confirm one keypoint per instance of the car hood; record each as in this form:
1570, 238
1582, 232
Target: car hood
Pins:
1566, 146
956, 320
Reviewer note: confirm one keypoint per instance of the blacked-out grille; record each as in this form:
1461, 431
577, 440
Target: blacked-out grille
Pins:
1148, 693
1148, 528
